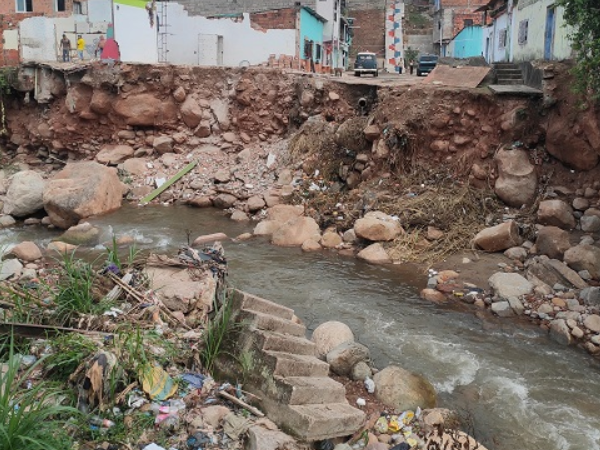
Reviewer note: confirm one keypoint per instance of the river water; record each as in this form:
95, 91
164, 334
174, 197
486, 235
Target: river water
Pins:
519, 389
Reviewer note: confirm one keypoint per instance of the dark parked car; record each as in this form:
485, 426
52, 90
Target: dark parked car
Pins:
426, 64
365, 63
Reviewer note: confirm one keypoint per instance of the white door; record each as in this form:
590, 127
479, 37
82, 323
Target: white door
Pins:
208, 50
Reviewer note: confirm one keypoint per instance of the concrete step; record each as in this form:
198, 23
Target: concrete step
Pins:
507, 72
288, 365
254, 303
509, 81
503, 65
277, 342
512, 76
318, 422
310, 390
267, 322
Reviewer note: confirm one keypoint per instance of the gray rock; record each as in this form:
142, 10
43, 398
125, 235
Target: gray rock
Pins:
82, 234
432, 282
401, 389
585, 275
587, 240
545, 308
581, 203
553, 242
556, 213
584, 257
345, 356
590, 224
25, 194
502, 309
10, 268
560, 332
592, 323
590, 296
507, 285
552, 271
516, 305
361, 371
596, 339
572, 303
518, 253
260, 438
577, 332
7, 221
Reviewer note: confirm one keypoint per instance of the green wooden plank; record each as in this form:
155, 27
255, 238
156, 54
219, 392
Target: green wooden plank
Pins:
156, 192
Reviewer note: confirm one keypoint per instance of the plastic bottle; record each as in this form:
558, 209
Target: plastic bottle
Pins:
100, 422
369, 385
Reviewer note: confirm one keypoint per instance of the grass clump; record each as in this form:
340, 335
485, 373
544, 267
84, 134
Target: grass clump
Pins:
215, 335
30, 418
68, 352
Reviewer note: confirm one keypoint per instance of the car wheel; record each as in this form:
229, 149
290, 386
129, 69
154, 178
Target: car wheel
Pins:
357, 74
376, 74
418, 73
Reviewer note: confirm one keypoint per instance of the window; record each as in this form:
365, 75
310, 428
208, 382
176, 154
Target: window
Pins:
60, 5
468, 23
523, 30
318, 53
502, 38
24, 6
77, 8
308, 49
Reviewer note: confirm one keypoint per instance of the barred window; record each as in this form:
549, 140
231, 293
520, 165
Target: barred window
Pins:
523, 31
502, 38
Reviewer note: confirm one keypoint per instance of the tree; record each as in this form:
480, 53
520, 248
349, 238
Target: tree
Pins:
584, 18
410, 54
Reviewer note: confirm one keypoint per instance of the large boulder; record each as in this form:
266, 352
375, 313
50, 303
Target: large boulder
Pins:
556, 213
510, 285
26, 251
81, 234
403, 390
145, 110
350, 134
516, 184
82, 190
24, 195
329, 335
584, 257
295, 232
114, 154
276, 216
553, 271
553, 242
345, 356
191, 112
499, 237
574, 151
377, 226
375, 254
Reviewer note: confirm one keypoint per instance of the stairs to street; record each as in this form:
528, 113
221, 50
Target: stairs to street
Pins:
508, 73
293, 385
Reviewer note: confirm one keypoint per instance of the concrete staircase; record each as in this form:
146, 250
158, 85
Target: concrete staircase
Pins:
293, 385
508, 73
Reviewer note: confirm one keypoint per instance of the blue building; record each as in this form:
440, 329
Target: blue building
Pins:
467, 43
311, 50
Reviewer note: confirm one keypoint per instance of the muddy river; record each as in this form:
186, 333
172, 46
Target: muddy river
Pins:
521, 390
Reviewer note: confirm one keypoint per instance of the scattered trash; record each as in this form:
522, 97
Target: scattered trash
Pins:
194, 380
361, 402
153, 446
370, 385
198, 440
100, 422
158, 384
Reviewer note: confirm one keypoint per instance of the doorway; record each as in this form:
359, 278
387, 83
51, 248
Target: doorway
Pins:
549, 34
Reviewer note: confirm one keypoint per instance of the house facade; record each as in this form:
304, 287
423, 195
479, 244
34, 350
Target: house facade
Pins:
32, 29
336, 33
467, 43
450, 17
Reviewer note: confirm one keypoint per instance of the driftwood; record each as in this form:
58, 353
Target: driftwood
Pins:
241, 403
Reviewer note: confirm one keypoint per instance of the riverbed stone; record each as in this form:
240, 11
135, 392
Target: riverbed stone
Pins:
26, 251
507, 285
81, 190
502, 309
239, 216
433, 295
403, 390
553, 242
577, 332
590, 296
517, 182
584, 257
349, 236
590, 224
553, 271
361, 371
82, 234
377, 226
516, 305
25, 194
311, 245
556, 213
255, 203
114, 154
499, 237
331, 239
581, 204
10, 268
342, 358
163, 144
518, 253
329, 335
296, 231
224, 201
592, 323
375, 254
209, 238
7, 221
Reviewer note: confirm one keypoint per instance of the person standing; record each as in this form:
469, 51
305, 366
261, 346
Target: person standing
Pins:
100, 47
412, 66
65, 45
80, 47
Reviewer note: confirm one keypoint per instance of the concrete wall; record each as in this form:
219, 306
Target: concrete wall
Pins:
420, 42
241, 42
216, 7
535, 13
500, 53
394, 39
467, 43
136, 36
47, 7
